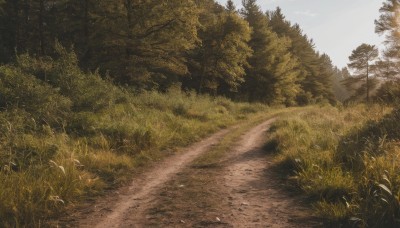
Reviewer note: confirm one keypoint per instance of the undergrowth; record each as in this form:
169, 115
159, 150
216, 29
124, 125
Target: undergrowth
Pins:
346, 160
66, 134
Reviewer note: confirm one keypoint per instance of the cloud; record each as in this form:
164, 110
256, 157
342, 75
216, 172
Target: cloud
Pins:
306, 13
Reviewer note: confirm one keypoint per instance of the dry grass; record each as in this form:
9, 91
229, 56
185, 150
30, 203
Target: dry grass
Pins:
74, 134
346, 161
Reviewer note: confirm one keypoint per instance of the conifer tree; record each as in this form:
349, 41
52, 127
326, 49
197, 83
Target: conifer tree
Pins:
361, 60
388, 25
272, 76
217, 63
143, 42
314, 69
230, 6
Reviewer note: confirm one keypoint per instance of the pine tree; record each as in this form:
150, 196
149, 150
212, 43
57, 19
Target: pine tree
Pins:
388, 24
217, 63
25, 27
272, 76
315, 69
361, 60
230, 6
142, 43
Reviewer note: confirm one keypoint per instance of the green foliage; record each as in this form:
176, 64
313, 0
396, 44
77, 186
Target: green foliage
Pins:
315, 71
20, 90
389, 93
388, 25
66, 134
142, 42
152, 45
361, 61
346, 161
87, 91
273, 75
217, 63
371, 139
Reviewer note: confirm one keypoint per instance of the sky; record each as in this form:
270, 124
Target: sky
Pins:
336, 26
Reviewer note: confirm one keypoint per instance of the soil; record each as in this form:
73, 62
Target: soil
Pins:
244, 190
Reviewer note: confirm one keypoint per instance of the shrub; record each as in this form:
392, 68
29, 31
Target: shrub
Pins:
19, 90
389, 93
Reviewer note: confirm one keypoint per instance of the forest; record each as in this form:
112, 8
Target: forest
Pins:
245, 54
91, 91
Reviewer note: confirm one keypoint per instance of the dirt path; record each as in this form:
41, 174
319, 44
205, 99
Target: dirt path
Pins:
126, 207
256, 196
242, 192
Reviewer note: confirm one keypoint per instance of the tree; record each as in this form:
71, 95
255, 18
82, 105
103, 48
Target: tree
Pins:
230, 6
388, 25
314, 69
142, 43
2, 2
340, 91
273, 74
361, 61
217, 63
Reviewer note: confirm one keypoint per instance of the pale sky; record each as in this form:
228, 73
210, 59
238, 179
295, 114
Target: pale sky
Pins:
336, 26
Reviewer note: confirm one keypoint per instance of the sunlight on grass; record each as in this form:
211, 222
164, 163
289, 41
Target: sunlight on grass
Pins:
345, 160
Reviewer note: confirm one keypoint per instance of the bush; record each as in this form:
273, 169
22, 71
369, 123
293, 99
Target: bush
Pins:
87, 91
388, 93
19, 90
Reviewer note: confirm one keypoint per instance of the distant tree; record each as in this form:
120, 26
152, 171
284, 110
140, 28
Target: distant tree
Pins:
314, 69
230, 6
388, 24
386, 69
361, 61
323, 79
340, 91
217, 63
273, 74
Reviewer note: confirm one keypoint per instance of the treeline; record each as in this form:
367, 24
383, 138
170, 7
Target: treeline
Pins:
244, 54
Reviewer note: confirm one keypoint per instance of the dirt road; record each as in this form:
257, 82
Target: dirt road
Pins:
246, 189
256, 196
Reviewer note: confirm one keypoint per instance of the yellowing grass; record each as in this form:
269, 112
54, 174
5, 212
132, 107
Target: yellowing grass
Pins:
346, 161
43, 170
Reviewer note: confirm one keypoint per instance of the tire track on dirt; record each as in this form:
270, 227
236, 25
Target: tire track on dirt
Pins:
248, 192
255, 194
130, 204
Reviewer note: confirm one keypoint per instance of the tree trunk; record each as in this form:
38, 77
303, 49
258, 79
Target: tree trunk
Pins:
17, 25
367, 83
86, 30
41, 28
128, 6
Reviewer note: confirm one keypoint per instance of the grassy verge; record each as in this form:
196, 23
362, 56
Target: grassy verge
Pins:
66, 134
346, 161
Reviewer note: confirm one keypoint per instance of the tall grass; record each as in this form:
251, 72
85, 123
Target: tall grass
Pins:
66, 134
346, 161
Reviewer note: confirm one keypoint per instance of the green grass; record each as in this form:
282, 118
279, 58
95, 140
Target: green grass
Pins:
44, 171
346, 161
66, 135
